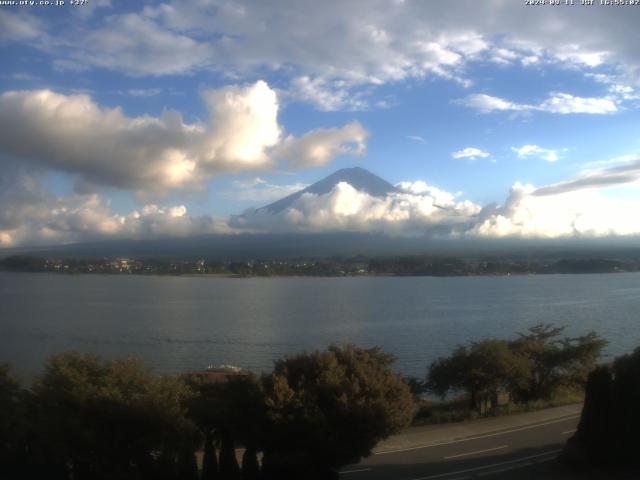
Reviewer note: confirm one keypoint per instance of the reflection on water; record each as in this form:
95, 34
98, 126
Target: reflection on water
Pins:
182, 323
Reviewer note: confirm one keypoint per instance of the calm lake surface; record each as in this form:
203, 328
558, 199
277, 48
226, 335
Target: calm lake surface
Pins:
184, 323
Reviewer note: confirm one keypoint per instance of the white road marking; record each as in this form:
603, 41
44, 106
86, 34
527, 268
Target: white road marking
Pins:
477, 451
569, 431
492, 465
430, 445
355, 471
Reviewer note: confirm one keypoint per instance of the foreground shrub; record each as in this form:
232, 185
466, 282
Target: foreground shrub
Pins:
110, 419
535, 367
328, 409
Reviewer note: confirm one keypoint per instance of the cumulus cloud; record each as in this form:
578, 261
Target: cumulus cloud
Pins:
570, 214
244, 126
471, 153
589, 206
440, 197
318, 147
561, 103
586, 207
32, 215
548, 154
104, 146
346, 209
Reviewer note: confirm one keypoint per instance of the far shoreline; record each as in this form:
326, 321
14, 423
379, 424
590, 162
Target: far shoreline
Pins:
373, 275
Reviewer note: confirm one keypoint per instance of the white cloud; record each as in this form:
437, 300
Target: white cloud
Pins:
570, 214
346, 209
487, 103
103, 145
550, 155
328, 95
471, 153
561, 103
504, 56
618, 87
244, 125
600, 204
334, 51
417, 139
623, 170
530, 60
576, 55
33, 216
318, 147
593, 204
564, 103
154, 154
419, 187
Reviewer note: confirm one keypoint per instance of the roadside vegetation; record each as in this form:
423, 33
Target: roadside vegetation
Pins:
89, 418
539, 369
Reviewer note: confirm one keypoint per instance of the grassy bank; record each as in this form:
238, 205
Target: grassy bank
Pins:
457, 410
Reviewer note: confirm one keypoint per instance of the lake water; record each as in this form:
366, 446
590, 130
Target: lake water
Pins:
184, 323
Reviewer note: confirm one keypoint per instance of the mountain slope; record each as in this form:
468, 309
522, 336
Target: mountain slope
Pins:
359, 178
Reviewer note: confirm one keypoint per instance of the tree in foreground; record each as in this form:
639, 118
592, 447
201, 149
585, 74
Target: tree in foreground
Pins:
328, 409
111, 419
554, 361
481, 370
532, 367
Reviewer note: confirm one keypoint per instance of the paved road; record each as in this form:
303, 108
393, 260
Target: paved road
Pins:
489, 448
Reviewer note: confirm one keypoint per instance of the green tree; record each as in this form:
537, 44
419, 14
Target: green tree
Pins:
112, 419
328, 409
555, 361
481, 370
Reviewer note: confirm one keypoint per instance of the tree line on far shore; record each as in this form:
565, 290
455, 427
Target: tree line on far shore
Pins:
408, 265
88, 418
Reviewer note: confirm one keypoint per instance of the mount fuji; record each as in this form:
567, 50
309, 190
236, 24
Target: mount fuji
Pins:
359, 178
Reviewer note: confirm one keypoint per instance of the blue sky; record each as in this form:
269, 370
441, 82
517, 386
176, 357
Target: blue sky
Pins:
145, 119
